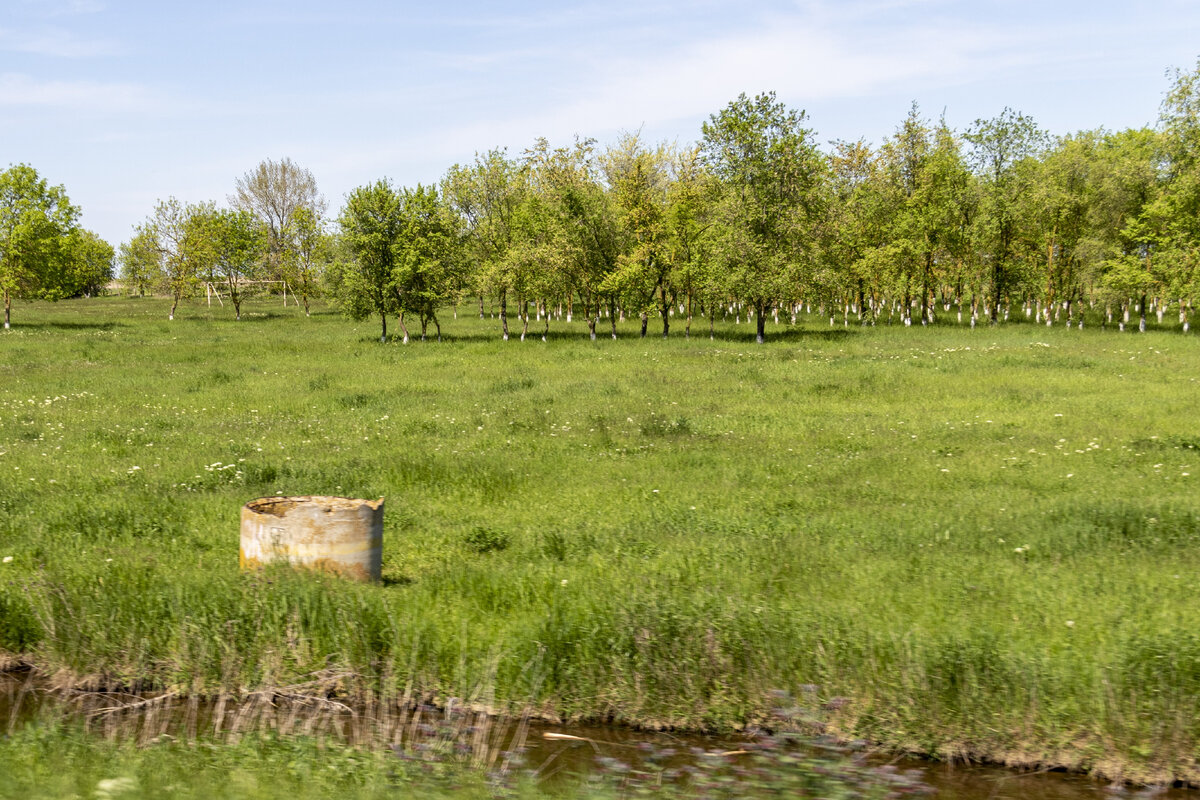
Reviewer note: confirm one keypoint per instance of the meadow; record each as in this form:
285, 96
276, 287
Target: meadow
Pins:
964, 543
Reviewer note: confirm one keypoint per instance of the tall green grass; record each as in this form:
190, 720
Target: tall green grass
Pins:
979, 542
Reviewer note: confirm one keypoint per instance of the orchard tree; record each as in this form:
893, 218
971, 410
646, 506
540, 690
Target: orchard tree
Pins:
1127, 219
36, 221
231, 249
309, 249
425, 271
174, 242
371, 224
139, 262
87, 265
576, 216
684, 222
771, 199
639, 181
536, 264
1003, 150
1179, 206
486, 196
927, 174
1060, 229
275, 191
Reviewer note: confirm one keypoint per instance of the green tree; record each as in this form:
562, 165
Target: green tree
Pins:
771, 199
1127, 219
231, 250
308, 251
927, 178
574, 218
139, 261
639, 181
860, 252
1060, 228
371, 225
175, 243
1178, 209
36, 221
424, 276
685, 221
87, 264
486, 196
1003, 152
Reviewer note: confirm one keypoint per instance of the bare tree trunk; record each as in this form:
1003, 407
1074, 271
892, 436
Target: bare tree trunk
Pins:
504, 313
645, 320
170, 316
403, 327
666, 310
383, 322
926, 303
7, 309
760, 320
481, 306
997, 277
612, 316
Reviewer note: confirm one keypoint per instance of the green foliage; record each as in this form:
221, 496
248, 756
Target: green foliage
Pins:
1003, 152
174, 247
771, 198
428, 267
308, 253
139, 260
230, 249
580, 221
371, 225
38, 243
88, 265
487, 197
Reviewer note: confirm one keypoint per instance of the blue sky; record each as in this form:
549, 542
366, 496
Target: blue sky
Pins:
128, 102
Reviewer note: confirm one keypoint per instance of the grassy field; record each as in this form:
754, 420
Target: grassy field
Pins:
970, 542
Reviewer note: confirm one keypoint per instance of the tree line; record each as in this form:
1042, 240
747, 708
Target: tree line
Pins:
757, 221
754, 220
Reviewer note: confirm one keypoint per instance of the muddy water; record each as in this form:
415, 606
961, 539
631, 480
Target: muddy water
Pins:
555, 753
959, 782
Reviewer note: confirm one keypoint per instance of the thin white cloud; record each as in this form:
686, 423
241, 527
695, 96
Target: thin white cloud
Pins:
66, 8
802, 61
55, 42
17, 89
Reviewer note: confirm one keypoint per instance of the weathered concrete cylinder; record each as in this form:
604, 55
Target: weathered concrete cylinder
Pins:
336, 534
